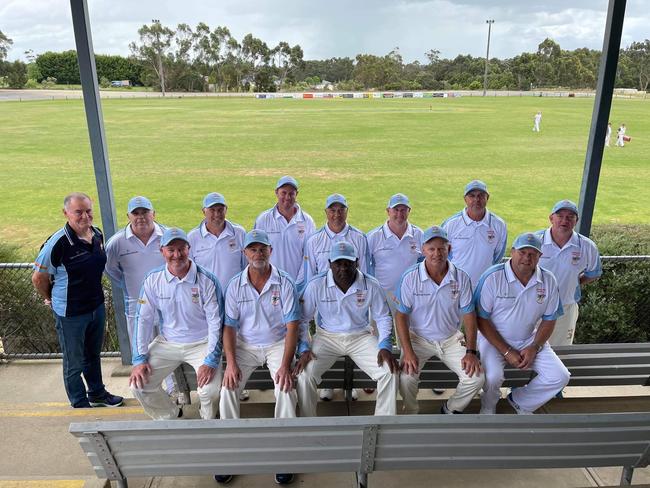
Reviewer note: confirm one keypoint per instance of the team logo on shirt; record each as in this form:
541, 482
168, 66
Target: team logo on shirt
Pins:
232, 244
275, 297
301, 229
575, 257
541, 294
414, 247
361, 297
195, 295
491, 235
455, 290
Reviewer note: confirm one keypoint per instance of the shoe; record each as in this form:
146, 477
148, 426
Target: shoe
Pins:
516, 407
224, 479
560, 394
85, 404
445, 410
284, 479
244, 395
180, 413
326, 394
369, 391
355, 395
107, 400
437, 391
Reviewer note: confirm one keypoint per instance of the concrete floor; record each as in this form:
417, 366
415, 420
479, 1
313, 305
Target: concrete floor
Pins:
36, 449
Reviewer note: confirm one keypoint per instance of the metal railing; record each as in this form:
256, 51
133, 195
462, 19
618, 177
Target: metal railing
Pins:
614, 309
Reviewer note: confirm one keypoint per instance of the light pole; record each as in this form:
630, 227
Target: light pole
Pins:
487, 55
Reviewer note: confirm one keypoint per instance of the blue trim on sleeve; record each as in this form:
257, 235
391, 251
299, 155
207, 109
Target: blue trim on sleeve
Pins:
230, 322
468, 309
558, 312
386, 344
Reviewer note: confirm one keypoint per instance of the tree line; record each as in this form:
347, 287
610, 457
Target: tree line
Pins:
203, 59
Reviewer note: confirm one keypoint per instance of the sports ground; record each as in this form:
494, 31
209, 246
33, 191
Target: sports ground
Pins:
176, 150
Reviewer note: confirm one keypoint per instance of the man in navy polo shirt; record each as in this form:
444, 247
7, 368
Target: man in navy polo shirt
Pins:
68, 274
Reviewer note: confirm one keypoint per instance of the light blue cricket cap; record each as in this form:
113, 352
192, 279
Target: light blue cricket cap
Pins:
256, 236
565, 205
476, 185
213, 198
399, 199
139, 202
343, 250
433, 232
287, 180
172, 234
527, 239
336, 198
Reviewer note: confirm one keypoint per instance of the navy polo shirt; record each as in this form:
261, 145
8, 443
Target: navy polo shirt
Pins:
76, 267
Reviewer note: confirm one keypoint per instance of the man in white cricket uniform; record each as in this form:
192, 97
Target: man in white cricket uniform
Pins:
341, 299
134, 251
218, 244
511, 298
537, 121
477, 236
394, 246
188, 302
432, 298
620, 135
608, 134
317, 250
261, 327
288, 227
574, 260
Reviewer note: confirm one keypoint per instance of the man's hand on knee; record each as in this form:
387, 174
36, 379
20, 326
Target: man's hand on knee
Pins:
204, 375
385, 356
302, 362
140, 376
231, 376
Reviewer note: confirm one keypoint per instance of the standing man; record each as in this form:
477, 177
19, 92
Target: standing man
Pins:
317, 250
134, 251
432, 298
262, 322
288, 228
394, 246
574, 260
537, 121
217, 244
608, 134
341, 299
512, 298
620, 136
187, 301
68, 275
477, 236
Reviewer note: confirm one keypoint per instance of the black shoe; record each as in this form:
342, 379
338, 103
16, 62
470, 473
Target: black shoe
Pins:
224, 479
284, 479
180, 413
85, 404
437, 391
107, 400
445, 410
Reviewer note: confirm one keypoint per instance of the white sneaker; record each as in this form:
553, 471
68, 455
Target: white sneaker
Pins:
244, 395
517, 408
326, 394
355, 395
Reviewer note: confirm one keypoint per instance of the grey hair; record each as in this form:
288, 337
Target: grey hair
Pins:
76, 195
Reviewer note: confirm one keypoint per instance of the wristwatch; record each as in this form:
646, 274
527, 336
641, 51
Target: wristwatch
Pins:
539, 347
471, 351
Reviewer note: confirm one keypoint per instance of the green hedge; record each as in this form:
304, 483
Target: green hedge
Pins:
616, 308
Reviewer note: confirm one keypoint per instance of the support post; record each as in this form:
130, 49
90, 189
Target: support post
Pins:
95, 121
600, 115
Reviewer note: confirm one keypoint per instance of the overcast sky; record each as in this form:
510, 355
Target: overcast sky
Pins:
336, 27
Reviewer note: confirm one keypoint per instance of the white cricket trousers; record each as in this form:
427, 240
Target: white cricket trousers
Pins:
362, 349
565, 326
164, 358
249, 357
551, 377
451, 352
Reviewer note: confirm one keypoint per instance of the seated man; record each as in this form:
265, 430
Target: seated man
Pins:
261, 328
187, 301
342, 298
432, 297
511, 299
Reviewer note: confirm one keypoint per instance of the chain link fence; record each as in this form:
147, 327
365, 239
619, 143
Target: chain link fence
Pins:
27, 324
614, 309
